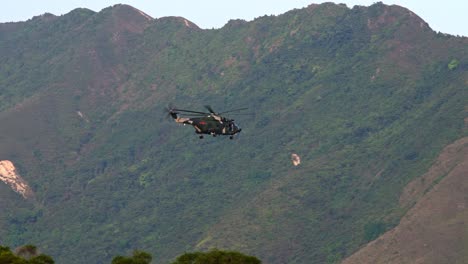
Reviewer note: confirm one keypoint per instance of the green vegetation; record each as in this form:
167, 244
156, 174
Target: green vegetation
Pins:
25, 255
453, 64
364, 96
216, 256
374, 230
138, 257
28, 254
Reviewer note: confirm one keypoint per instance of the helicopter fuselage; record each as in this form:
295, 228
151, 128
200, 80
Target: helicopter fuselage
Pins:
211, 125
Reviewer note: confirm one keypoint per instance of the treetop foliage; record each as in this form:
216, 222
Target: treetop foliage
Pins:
216, 256
25, 255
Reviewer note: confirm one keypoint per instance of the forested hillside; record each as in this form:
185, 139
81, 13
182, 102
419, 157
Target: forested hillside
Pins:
367, 98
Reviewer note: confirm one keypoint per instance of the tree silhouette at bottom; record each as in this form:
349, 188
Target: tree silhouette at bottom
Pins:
138, 257
216, 256
27, 254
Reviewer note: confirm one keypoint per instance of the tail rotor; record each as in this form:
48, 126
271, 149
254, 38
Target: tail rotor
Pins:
171, 111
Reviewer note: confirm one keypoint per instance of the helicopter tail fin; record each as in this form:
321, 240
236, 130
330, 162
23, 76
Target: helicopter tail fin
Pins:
173, 114
182, 120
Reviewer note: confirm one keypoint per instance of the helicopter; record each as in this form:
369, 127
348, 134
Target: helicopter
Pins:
210, 123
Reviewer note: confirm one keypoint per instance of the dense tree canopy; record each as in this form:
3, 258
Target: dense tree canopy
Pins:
25, 255
29, 254
216, 257
138, 257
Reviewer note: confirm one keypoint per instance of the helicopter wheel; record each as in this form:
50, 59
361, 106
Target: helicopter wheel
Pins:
201, 137
231, 137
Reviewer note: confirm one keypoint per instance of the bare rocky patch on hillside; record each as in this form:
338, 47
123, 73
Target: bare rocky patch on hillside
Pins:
9, 176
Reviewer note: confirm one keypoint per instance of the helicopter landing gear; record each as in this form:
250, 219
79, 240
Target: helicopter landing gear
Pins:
201, 136
231, 137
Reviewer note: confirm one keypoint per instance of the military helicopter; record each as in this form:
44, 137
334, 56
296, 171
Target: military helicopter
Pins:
210, 123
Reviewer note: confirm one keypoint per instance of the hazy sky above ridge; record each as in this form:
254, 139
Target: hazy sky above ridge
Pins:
449, 16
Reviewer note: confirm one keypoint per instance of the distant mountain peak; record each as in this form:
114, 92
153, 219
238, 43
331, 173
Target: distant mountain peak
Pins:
125, 18
186, 22
128, 13
178, 20
382, 15
128, 8
45, 17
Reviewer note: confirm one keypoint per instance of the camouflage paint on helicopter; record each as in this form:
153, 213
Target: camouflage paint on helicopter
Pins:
210, 123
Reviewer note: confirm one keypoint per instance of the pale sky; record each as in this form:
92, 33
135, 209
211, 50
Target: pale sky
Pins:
449, 16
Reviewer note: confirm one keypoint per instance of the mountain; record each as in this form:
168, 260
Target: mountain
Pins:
367, 97
434, 230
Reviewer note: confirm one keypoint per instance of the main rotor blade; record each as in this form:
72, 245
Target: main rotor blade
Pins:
210, 109
244, 114
234, 110
193, 115
190, 111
